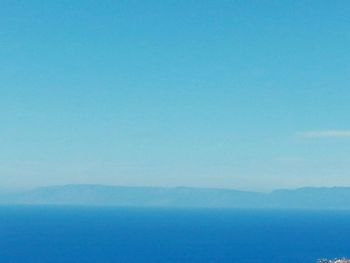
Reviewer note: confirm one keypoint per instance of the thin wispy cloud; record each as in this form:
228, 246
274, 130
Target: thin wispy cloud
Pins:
325, 134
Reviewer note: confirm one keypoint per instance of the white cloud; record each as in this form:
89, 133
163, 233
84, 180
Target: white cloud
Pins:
325, 134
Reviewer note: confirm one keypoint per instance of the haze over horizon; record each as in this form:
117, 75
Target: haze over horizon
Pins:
229, 94
37, 187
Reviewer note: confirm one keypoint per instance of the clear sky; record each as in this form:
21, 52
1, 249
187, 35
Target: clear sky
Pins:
240, 94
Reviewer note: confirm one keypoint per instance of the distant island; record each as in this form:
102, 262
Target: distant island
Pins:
101, 195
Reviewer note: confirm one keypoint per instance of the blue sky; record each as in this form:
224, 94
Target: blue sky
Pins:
239, 94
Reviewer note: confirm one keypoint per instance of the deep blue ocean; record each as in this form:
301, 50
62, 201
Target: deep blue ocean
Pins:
84, 234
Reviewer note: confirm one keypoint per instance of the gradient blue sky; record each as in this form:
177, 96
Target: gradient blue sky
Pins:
239, 94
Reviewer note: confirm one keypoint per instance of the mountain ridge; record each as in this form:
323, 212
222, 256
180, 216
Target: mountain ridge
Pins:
109, 195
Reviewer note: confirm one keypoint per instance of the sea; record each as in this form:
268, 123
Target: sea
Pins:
58, 234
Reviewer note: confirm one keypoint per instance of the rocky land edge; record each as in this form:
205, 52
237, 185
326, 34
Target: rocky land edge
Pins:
334, 261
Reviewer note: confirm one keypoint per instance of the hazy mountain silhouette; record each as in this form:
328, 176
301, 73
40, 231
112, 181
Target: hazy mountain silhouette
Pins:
308, 198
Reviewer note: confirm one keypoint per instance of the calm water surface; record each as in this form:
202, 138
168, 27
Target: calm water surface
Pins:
81, 234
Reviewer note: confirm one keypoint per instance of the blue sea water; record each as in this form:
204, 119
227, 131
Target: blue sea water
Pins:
85, 234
